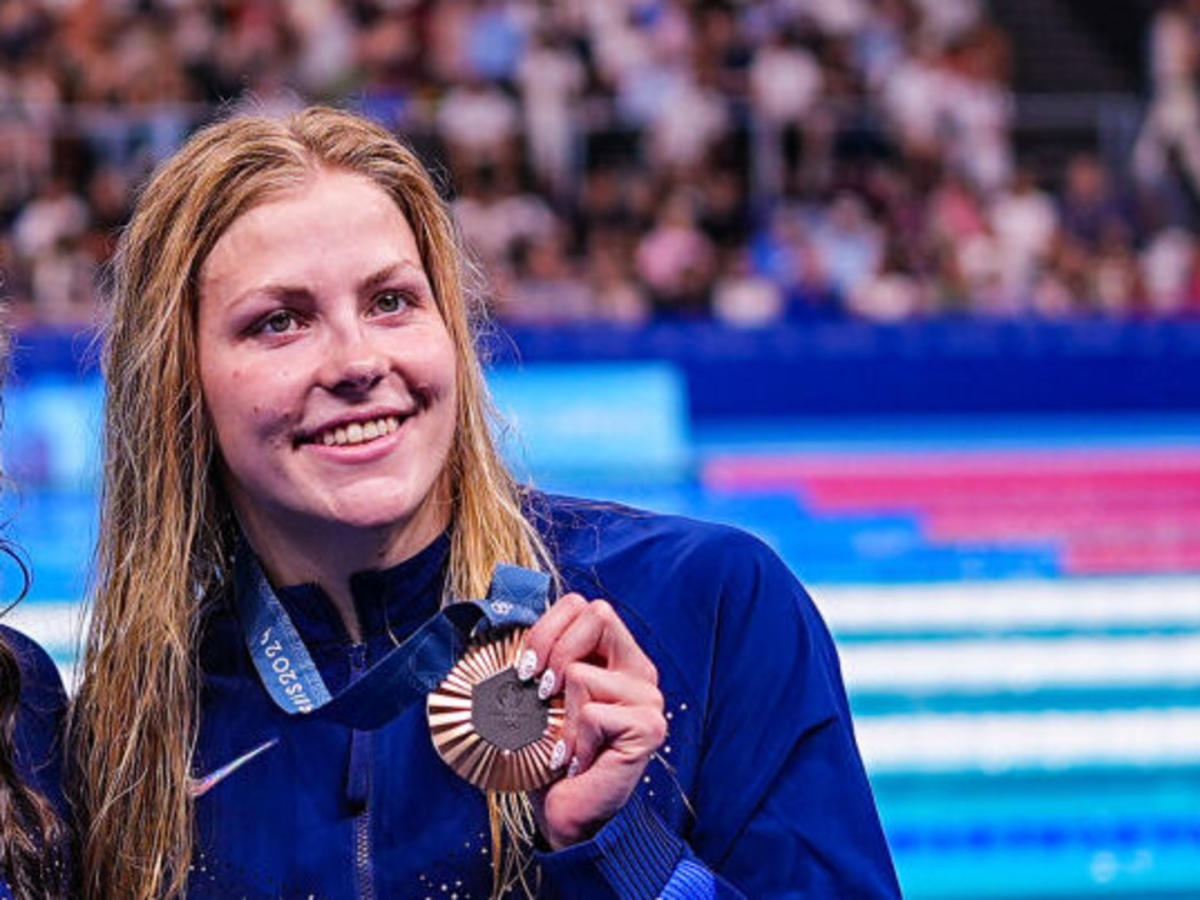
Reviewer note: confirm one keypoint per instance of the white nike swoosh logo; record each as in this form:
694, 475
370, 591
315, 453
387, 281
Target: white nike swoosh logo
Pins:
201, 786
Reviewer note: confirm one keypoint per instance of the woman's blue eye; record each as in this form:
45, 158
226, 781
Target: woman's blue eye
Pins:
278, 322
390, 301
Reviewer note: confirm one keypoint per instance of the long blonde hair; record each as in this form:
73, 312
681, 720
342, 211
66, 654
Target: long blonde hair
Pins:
166, 524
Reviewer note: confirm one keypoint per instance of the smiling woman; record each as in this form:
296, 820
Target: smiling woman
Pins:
307, 529
329, 378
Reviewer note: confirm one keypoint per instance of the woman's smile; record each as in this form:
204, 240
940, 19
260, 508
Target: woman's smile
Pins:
357, 441
362, 431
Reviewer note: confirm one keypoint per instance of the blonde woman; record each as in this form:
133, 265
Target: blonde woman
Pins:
300, 475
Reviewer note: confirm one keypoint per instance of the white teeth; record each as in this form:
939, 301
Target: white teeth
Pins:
359, 432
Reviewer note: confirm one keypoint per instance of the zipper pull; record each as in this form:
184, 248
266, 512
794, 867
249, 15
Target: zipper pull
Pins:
358, 660
358, 771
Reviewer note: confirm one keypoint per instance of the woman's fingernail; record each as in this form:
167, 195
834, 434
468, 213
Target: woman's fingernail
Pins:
546, 685
573, 768
526, 665
558, 755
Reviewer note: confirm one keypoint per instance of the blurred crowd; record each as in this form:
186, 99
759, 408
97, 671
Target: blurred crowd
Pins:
622, 159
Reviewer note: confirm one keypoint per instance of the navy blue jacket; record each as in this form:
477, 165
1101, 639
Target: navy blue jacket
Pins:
760, 741
37, 736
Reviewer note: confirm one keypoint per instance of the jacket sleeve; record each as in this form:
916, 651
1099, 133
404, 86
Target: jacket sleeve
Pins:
783, 806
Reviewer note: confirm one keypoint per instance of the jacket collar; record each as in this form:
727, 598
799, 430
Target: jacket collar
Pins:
392, 601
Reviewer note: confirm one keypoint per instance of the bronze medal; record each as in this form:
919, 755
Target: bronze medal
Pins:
491, 727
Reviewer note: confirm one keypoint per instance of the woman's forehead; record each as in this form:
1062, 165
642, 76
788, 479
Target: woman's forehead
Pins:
336, 225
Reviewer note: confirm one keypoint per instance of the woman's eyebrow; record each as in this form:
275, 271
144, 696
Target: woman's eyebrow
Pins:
275, 292
389, 272
371, 282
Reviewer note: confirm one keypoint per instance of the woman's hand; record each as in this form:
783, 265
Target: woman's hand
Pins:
613, 719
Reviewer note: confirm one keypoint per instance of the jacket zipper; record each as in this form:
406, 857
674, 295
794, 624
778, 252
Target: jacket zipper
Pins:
358, 789
362, 855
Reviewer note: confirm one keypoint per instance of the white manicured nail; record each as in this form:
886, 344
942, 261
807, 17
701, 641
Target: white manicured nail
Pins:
526, 665
546, 685
558, 755
573, 768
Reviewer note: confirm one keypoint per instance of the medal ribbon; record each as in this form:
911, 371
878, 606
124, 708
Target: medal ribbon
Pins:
404, 676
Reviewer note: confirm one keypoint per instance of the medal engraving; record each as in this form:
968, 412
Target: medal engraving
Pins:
507, 712
491, 727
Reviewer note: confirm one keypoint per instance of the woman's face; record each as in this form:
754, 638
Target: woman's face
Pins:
327, 370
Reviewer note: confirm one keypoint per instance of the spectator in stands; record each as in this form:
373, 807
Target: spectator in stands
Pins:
784, 252
948, 290
978, 108
688, 117
892, 293
955, 211
945, 21
675, 260
62, 282
495, 41
914, 99
448, 29
881, 44
1117, 288
981, 264
388, 54
479, 122
1172, 125
616, 294
1168, 262
551, 79
742, 297
724, 213
722, 41
1065, 286
545, 288
902, 207
1089, 202
1024, 220
56, 215
494, 214
785, 82
848, 243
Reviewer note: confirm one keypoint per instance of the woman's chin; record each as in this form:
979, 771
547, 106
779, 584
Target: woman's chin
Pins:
374, 517
372, 520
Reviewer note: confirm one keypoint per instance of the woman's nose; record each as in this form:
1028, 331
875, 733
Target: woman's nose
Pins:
353, 363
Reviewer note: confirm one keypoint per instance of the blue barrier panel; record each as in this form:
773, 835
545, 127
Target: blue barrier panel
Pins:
41, 351
947, 366
851, 368
601, 418
51, 434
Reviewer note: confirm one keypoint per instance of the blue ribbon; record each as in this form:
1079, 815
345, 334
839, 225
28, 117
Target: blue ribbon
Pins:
404, 676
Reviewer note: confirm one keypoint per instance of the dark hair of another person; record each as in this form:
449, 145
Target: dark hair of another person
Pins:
33, 839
